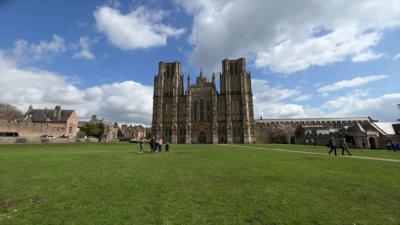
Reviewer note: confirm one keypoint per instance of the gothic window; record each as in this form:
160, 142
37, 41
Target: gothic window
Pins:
201, 110
208, 111
166, 107
234, 110
195, 110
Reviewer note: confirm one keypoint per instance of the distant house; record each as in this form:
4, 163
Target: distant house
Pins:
134, 132
66, 119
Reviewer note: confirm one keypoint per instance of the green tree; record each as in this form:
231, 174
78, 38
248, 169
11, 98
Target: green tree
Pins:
81, 134
93, 129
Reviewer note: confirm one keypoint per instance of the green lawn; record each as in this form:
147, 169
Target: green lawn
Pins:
195, 184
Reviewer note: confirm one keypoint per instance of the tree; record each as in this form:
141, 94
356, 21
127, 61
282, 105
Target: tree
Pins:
9, 112
92, 129
81, 134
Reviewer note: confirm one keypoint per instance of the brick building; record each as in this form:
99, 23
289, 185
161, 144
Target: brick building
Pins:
66, 119
37, 122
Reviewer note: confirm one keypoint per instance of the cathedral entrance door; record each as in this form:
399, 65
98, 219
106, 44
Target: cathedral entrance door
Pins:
202, 139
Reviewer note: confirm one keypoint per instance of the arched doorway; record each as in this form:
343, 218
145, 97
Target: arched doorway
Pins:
202, 139
182, 136
222, 140
372, 144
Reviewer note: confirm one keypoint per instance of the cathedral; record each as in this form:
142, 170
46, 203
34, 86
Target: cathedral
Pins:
203, 114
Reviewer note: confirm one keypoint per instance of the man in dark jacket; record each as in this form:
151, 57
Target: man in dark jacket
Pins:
152, 145
332, 144
167, 146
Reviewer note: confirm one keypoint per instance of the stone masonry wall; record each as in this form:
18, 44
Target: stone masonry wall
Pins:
29, 129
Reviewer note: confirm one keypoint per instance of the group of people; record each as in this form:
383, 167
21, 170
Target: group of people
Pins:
155, 145
343, 146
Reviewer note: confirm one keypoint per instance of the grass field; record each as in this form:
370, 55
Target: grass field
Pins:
195, 184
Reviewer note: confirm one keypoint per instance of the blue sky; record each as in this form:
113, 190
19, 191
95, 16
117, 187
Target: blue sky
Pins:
307, 59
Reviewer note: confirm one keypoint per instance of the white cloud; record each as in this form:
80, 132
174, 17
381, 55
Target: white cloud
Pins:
288, 57
268, 101
304, 97
141, 28
126, 101
287, 36
367, 56
397, 56
266, 92
279, 110
84, 53
355, 82
43, 50
272, 102
353, 104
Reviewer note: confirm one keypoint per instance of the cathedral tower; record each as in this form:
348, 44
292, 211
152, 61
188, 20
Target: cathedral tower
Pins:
235, 86
168, 87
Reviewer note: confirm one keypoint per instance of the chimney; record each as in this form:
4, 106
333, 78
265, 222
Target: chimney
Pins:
57, 113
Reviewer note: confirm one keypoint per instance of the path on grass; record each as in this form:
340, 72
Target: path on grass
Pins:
312, 153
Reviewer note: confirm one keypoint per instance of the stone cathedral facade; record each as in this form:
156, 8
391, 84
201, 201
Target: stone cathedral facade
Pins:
202, 114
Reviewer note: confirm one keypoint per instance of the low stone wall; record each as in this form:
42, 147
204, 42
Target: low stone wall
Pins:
29, 129
32, 140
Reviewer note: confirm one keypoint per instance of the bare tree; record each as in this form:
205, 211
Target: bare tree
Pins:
9, 112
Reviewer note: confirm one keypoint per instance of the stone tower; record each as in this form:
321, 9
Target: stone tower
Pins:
168, 90
201, 114
236, 93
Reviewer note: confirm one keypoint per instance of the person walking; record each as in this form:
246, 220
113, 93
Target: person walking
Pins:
389, 145
343, 145
167, 146
141, 146
152, 145
155, 146
160, 143
332, 144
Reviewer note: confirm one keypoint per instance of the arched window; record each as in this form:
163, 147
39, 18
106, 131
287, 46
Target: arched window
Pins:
194, 115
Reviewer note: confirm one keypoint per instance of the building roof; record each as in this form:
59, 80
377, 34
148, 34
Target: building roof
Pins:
369, 119
359, 128
385, 128
46, 115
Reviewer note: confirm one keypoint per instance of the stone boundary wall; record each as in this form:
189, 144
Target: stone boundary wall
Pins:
29, 129
36, 140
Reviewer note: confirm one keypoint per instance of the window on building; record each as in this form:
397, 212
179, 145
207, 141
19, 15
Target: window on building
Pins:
201, 110
194, 110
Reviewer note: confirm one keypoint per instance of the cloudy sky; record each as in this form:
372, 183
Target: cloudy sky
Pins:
307, 58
